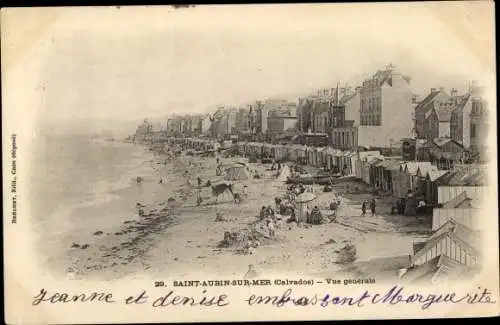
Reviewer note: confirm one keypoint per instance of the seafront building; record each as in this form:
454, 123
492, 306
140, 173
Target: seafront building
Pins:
383, 113
469, 122
386, 112
433, 113
433, 172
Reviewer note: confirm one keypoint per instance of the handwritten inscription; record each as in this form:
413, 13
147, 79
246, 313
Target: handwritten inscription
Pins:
57, 297
170, 299
396, 295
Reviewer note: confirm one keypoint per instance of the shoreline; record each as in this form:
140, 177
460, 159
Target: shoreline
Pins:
183, 239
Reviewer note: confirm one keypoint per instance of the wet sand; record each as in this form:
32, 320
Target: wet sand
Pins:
182, 239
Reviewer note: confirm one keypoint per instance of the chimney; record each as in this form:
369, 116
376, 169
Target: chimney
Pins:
433, 90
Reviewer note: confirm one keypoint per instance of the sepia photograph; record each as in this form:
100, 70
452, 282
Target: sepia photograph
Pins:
249, 151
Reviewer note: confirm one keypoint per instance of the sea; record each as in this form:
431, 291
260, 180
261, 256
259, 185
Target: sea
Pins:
80, 185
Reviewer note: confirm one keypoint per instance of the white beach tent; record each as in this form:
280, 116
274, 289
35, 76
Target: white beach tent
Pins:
237, 172
284, 174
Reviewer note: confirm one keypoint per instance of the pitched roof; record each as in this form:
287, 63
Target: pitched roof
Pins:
471, 178
446, 193
436, 174
466, 234
466, 237
346, 98
426, 101
468, 176
374, 159
457, 201
441, 265
390, 164
413, 166
422, 170
462, 102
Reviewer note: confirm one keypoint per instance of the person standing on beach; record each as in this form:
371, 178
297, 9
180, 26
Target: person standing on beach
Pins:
372, 206
333, 207
363, 208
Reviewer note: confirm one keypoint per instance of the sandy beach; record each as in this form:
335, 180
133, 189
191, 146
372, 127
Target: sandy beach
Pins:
175, 237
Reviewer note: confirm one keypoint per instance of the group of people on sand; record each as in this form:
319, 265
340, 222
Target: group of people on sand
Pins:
276, 165
371, 204
267, 214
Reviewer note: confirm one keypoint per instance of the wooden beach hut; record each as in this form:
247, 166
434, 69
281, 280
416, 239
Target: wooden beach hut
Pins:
421, 179
328, 154
281, 152
439, 270
302, 152
321, 157
411, 177
469, 217
311, 153
433, 180
453, 240
387, 168
371, 171
349, 161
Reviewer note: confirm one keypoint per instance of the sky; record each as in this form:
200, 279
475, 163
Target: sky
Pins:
128, 63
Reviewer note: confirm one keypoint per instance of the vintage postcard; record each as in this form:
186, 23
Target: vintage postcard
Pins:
249, 162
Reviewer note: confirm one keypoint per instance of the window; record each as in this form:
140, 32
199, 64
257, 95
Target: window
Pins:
473, 130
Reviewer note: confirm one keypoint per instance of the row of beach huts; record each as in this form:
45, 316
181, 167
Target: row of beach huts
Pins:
413, 181
454, 196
